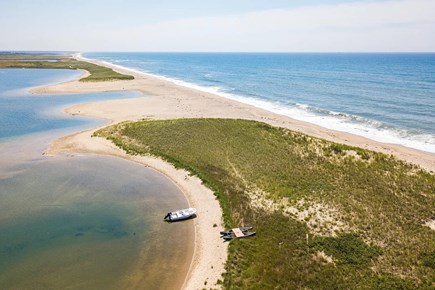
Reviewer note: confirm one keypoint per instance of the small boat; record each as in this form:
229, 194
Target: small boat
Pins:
238, 233
228, 232
181, 214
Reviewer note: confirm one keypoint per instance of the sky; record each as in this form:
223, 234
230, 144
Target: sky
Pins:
218, 25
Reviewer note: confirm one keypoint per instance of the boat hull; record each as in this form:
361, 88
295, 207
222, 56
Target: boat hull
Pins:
243, 232
180, 215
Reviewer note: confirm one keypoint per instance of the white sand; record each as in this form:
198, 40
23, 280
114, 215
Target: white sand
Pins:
165, 100
210, 252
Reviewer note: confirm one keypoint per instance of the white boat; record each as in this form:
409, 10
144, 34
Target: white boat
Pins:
181, 214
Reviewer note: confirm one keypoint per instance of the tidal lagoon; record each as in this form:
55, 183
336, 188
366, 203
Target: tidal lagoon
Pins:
79, 222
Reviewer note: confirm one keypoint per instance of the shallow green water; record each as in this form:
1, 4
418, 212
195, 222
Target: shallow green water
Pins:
90, 223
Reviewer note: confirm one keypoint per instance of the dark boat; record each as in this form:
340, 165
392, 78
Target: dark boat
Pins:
237, 233
228, 232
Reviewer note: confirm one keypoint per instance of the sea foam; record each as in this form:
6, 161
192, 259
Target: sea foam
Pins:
372, 129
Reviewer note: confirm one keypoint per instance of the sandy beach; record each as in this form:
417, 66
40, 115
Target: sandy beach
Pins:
165, 100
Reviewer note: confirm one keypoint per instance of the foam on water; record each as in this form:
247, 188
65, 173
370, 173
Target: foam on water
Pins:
343, 122
336, 120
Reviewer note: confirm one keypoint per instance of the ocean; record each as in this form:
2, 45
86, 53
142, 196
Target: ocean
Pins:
388, 97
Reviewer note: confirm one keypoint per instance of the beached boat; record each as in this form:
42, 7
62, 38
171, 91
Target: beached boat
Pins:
228, 232
181, 214
237, 233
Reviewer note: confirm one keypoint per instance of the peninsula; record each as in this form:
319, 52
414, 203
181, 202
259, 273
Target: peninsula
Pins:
331, 209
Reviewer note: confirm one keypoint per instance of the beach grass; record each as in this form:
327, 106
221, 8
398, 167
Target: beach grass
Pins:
327, 216
97, 73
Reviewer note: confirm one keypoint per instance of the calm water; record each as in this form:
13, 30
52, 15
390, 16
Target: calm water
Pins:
386, 97
90, 223
24, 113
82, 222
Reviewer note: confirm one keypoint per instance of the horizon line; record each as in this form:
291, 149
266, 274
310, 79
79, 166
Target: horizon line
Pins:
223, 52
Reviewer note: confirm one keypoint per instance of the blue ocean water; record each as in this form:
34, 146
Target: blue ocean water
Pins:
385, 97
23, 113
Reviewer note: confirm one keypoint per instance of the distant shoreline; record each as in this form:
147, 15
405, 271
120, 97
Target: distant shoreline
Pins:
371, 105
172, 96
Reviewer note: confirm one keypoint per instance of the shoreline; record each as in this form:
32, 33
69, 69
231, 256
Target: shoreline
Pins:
388, 136
165, 100
209, 253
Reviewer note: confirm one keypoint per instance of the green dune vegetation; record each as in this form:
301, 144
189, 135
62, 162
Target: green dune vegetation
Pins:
327, 216
59, 61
